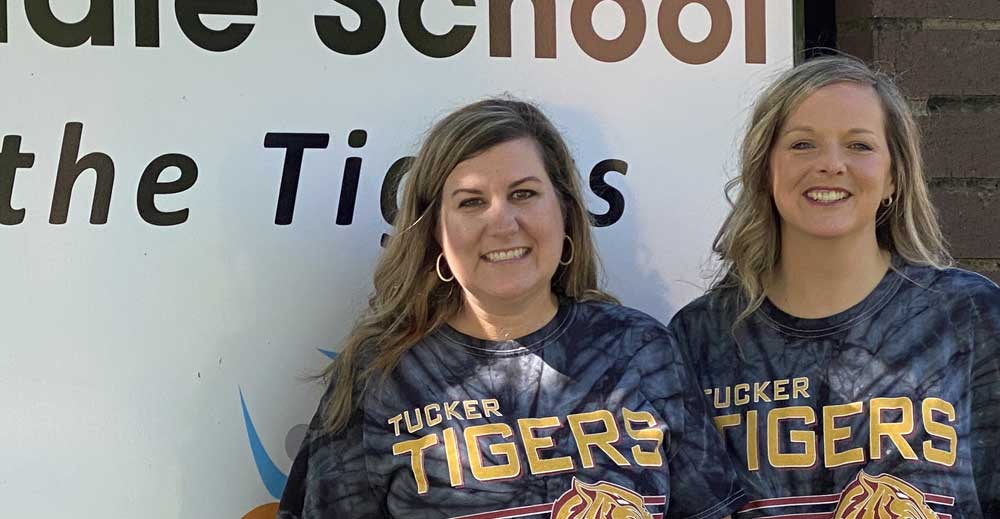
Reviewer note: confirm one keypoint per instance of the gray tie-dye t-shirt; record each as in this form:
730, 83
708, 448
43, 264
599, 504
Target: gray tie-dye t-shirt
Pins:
888, 409
594, 415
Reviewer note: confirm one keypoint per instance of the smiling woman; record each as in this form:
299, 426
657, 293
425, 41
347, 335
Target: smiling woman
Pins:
490, 375
834, 276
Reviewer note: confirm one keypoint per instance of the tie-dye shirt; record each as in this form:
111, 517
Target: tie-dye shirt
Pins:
888, 409
594, 415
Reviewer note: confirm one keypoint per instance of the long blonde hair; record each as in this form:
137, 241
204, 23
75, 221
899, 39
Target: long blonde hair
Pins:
749, 243
409, 300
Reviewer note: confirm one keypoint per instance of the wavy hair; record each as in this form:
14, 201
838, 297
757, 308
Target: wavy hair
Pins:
749, 243
409, 301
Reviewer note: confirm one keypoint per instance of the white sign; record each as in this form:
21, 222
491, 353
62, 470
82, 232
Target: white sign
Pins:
191, 205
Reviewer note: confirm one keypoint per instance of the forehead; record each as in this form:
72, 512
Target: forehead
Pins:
840, 106
500, 164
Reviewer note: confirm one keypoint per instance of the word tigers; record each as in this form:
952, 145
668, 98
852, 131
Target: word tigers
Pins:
592, 430
888, 419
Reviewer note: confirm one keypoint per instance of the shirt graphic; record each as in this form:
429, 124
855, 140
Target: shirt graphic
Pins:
888, 409
593, 416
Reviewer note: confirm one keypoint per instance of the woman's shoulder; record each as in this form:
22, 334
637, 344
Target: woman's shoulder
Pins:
951, 285
615, 314
717, 307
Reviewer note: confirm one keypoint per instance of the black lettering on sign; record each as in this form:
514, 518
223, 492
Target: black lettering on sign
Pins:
428, 43
69, 170
614, 198
11, 159
98, 25
294, 145
364, 39
188, 12
150, 186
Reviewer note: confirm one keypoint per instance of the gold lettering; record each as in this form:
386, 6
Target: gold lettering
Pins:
832, 434
759, 392
727, 420
416, 450
471, 412
651, 458
491, 407
449, 411
779, 389
722, 404
533, 444
432, 421
601, 440
893, 430
416, 425
745, 398
939, 430
394, 421
511, 468
454, 457
753, 445
800, 387
807, 439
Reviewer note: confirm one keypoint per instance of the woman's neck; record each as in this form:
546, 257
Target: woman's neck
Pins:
818, 278
501, 321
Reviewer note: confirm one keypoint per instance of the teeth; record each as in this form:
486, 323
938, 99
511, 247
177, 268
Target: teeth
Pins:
506, 254
826, 196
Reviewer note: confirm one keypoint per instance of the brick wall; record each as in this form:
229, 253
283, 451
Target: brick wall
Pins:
946, 58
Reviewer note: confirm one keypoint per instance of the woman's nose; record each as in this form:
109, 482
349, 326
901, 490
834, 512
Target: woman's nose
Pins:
831, 160
503, 218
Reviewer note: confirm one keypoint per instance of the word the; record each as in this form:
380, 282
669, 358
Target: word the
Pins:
71, 165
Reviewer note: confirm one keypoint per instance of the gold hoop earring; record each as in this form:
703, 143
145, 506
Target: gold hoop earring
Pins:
887, 202
437, 267
572, 251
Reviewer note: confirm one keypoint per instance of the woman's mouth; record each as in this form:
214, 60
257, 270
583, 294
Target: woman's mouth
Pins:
827, 196
505, 255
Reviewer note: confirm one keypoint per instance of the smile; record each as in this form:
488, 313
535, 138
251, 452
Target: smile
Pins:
826, 195
505, 255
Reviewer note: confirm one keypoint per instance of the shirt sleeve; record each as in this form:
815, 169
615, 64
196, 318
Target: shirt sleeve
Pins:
329, 477
703, 483
986, 400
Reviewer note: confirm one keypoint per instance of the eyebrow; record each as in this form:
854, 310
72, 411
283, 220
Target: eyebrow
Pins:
809, 129
514, 184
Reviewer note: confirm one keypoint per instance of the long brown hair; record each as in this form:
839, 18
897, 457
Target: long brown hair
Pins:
409, 300
749, 244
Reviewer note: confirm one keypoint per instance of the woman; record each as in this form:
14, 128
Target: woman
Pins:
852, 374
490, 377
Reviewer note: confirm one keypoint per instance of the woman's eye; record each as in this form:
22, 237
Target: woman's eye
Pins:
860, 146
801, 145
470, 202
522, 194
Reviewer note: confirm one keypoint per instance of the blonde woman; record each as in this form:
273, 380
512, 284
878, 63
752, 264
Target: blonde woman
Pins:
851, 372
490, 376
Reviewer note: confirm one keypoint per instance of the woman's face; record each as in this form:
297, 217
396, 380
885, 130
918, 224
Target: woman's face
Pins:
501, 224
830, 164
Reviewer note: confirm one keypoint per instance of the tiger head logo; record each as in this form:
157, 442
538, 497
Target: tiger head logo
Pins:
882, 496
601, 500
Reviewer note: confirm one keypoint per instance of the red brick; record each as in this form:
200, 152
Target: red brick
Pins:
967, 9
853, 9
970, 216
858, 44
958, 144
940, 62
